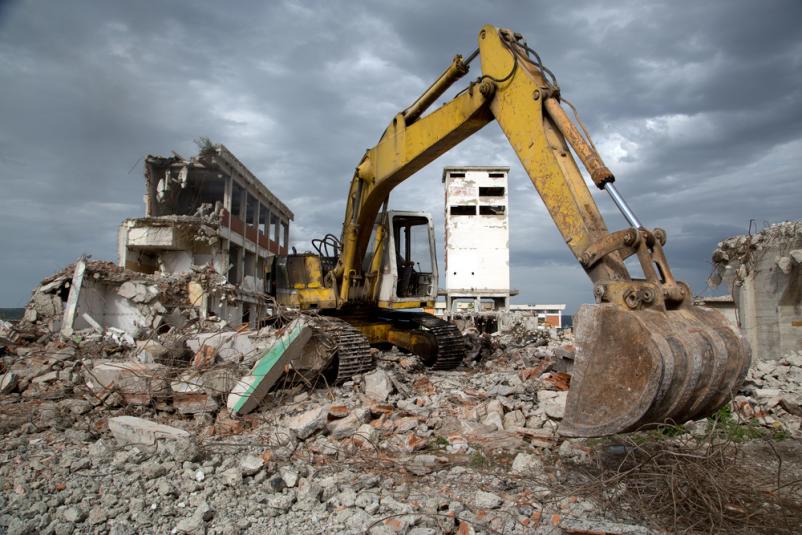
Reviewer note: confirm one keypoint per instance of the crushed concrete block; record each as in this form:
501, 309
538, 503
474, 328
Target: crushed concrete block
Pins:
494, 420
150, 351
46, 305
526, 463
8, 382
486, 500
195, 403
407, 423
796, 255
785, 264
251, 389
48, 377
215, 382
232, 477
138, 292
133, 430
289, 475
30, 315
251, 464
345, 427
553, 403
138, 382
308, 422
378, 385
514, 419
365, 436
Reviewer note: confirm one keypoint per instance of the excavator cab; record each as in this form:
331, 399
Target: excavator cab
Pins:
409, 268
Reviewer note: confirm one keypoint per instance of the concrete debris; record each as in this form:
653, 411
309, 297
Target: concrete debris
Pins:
251, 464
8, 382
378, 385
94, 300
468, 450
308, 422
251, 389
487, 500
348, 426
763, 273
771, 396
525, 463
133, 430
139, 383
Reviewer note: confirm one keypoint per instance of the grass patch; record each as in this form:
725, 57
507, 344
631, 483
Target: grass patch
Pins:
440, 442
728, 426
478, 460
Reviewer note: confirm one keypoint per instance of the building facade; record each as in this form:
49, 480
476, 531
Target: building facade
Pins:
477, 254
208, 211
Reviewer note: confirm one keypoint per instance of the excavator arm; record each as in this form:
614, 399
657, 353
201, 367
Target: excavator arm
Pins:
526, 105
645, 354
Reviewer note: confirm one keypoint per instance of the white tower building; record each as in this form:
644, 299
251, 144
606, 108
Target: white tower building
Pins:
477, 259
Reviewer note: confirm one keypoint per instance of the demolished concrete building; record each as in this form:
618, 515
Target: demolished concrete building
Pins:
477, 252
764, 272
208, 211
477, 255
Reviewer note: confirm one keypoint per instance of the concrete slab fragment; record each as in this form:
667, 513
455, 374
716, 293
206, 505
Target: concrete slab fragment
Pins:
133, 430
72, 300
138, 382
251, 389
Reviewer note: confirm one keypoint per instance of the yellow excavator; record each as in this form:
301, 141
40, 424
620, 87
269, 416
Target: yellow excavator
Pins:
645, 354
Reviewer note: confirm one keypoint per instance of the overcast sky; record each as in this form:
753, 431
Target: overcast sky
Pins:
696, 106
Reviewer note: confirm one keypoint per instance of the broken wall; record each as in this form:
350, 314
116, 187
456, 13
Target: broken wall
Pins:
764, 271
108, 297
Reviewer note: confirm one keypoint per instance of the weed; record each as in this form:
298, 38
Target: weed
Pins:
729, 427
478, 460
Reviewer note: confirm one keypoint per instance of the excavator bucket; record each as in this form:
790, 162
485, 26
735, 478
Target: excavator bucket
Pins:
634, 368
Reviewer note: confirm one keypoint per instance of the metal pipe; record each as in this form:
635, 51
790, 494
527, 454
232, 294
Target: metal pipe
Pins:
622, 205
471, 57
407, 244
453, 72
599, 172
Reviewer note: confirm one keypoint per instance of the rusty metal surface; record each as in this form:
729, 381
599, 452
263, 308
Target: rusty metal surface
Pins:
635, 368
440, 344
599, 172
453, 72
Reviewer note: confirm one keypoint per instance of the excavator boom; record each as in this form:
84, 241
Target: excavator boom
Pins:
645, 353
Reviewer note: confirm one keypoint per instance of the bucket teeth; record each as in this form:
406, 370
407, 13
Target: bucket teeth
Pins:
636, 368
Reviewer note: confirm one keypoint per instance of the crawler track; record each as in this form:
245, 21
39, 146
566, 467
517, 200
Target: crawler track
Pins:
447, 346
450, 342
351, 349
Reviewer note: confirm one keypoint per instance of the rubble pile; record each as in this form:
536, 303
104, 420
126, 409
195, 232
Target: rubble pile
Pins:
121, 435
148, 303
171, 356
772, 395
735, 258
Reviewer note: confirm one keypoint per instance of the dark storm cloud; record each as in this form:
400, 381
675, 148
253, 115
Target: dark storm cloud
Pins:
696, 106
